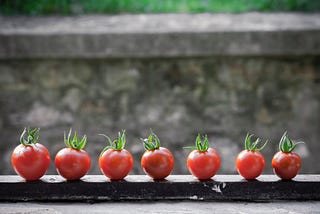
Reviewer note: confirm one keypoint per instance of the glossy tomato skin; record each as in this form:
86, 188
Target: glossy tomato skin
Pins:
203, 165
116, 164
286, 165
72, 164
250, 164
157, 163
30, 162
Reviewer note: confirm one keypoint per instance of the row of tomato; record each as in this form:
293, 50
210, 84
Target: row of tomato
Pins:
31, 160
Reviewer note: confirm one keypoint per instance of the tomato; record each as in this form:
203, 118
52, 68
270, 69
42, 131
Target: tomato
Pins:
250, 162
286, 163
115, 162
30, 159
203, 165
203, 162
73, 163
157, 162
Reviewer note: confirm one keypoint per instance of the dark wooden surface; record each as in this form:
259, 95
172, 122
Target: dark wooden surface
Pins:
175, 187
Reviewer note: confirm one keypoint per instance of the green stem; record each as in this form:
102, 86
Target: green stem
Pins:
75, 142
253, 146
32, 136
152, 142
201, 144
286, 145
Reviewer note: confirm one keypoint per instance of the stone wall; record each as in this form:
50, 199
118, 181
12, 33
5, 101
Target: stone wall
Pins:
225, 97
178, 74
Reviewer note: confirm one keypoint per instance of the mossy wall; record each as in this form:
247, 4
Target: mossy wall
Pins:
224, 97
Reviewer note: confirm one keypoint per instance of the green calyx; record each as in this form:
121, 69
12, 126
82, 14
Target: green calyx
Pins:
152, 142
32, 136
286, 145
253, 146
117, 144
202, 144
74, 142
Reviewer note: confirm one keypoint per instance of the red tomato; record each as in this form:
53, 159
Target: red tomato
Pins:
30, 162
30, 159
203, 165
286, 163
203, 162
73, 163
157, 163
250, 162
115, 162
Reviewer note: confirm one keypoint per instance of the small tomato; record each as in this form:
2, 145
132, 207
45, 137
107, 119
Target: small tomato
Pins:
203, 162
30, 159
157, 162
286, 163
250, 162
73, 162
115, 162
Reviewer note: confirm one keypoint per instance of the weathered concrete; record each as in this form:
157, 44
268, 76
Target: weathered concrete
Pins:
173, 35
223, 97
159, 23
178, 74
163, 207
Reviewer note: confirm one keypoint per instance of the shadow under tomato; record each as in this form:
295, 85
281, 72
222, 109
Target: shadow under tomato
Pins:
118, 180
205, 180
285, 180
249, 180
163, 180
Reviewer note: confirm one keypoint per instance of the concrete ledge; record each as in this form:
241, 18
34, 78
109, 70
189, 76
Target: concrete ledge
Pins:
171, 35
175, 187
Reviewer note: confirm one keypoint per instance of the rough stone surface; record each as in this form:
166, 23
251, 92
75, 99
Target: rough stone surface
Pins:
162, 35
223, 97
164, 207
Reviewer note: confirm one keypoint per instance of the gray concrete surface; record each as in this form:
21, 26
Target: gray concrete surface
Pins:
162, 35
184, 79
163, 207
158, 23
224, 97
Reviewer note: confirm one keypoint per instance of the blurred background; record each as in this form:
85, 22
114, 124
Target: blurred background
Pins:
44, 7
224, 96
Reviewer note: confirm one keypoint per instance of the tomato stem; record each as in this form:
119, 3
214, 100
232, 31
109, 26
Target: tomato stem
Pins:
117, 144
286, 145
253, 146
152, 142
32, 136
75, 142
201, 144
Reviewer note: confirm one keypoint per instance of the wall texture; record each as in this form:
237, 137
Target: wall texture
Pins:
179, 74
224, 97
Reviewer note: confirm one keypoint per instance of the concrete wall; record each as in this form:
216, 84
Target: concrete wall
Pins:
178, 95
223, 97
